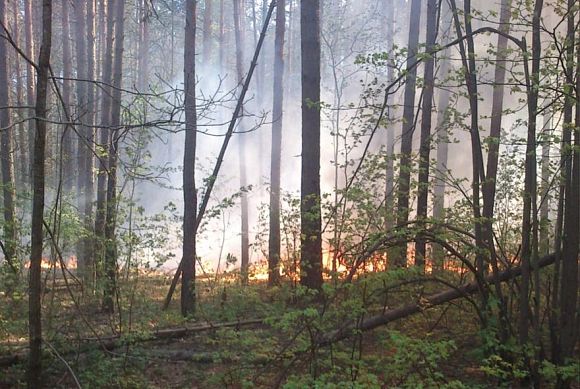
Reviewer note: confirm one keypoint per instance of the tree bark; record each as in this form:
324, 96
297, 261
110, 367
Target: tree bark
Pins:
399, 253
37, 236
189, 190
310, 210
425, 142
529, 250
276, 152
111, 208
67, 141
30, 87
571, 241
239, 16
6, 153
104, 135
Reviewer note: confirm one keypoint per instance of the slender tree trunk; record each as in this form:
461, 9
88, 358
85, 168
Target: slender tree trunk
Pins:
67, 146
277, 120
6, 150
207, 32
442, 138
143, 73
545, 185
37, 236
399, 254
390, 170
245, 246
566, 161
310, 210
222, 42
571, 241
20, 177
189, 190
425, 145
103, 144
529, 221
111, 208
30, 87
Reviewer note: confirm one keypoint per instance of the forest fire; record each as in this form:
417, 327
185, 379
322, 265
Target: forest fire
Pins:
47, 263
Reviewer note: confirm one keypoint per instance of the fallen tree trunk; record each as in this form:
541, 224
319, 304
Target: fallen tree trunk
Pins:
446, 296
112, 342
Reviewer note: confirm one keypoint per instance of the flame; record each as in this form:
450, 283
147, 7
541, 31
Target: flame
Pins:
46, 263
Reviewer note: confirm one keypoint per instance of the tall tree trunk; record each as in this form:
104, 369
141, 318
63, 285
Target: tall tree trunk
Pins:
67, 145
30, 90
82, 109
111, 208
89, 160
6, 150
478, 173
390, 169
239, 16
310, 209
103, 143
439, 186
189, 190
207, 32
529, 219
20, 177
547, 132
571, 241
566, 161
37, 236
399, 254
425, 145
277, 119
143, 73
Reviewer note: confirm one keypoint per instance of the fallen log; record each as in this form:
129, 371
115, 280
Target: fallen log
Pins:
423, 304
110, 343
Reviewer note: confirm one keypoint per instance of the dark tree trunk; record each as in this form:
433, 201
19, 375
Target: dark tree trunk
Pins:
425, 145
37, 236
189, 191
529, 219
239, 24
6, 149
310, 210
111, 209
399, 253
561, 233
277, 118
571, 241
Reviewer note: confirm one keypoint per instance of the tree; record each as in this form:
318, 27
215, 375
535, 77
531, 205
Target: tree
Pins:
6, 150
189, 191
245, 242
310, 211
38, 184
67, 144
399, 254
110, 263
426, 110
277, 119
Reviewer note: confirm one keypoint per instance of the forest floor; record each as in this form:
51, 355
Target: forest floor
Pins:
439, 347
